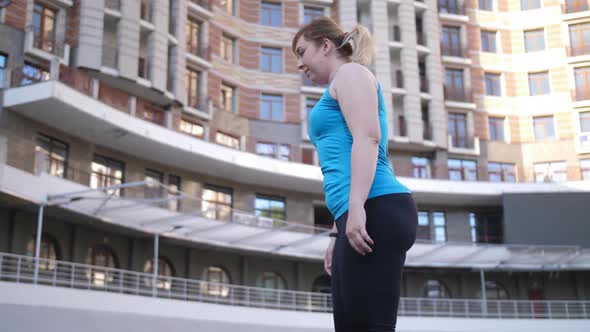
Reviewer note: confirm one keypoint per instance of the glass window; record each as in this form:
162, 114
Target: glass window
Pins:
585, 122
440, 226
227, 101
492, 83
271, 107
3, 63
48, 253
165, 273
51, 156
574, 6
451, 41
266, 149
534, 40
486, 5
421, 167
458, 129
435, 289
217, 202
101, 256
271, 280
271, 59
494, 291
107, 172
423, 229
530, 4
192, 88
454, 85
216, 282
146, 10
270, 207
462, 170
543, 127
311, 13
582, 78
448, 6
155, 190
193, 35
174, 192
192, 128
270, 14
488, 41
227, 140
550, 172
44, 19
579, 39
539, 83
473, 227
499, 172
228, 49
585, 169
33, 74
496, 128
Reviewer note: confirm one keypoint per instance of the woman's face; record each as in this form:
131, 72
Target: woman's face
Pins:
312, 60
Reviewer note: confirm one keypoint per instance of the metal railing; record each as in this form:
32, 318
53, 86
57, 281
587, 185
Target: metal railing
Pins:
577, 50
457, 94
20, 269
453, 51
580, 94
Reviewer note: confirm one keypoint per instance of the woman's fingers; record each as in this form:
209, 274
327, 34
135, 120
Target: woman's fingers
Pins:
358, 243
366, 236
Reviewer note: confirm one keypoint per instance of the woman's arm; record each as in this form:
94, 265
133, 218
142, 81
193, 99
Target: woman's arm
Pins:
356, 92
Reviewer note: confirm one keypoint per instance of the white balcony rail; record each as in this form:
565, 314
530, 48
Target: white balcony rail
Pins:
20, 269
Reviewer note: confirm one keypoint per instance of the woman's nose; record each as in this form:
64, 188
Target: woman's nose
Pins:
299, 64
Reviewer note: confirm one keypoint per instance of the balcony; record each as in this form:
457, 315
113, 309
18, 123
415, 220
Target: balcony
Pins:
576, 6
398, 79
460, 95
580, 94
200, 51
427, 131
113, 5
47, 45
464, 145
401, 129
453, 51
424, 84
143, 68
110, 57
146, 11
421, 38
578, 50
453, 8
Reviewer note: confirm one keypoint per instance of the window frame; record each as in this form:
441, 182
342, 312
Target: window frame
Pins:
544, 120
271, 55
270, 198
271, 101
489, 41
217, 202
268, 12
53, 144
106, 179
535, 38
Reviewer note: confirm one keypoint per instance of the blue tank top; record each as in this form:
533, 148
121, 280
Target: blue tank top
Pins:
330, 135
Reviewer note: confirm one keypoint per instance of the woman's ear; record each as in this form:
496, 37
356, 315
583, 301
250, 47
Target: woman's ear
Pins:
326, 46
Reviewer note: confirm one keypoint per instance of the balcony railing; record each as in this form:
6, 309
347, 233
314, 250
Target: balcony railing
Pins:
574, 6
578, 50
427, 133
113, 4
199, 50
454, 94
424, 85
452, 51
396, 34
21, 269
398, 78
421, 38
451, 8
581, 94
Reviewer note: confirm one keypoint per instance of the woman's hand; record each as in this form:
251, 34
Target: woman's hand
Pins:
328, 256
356, 230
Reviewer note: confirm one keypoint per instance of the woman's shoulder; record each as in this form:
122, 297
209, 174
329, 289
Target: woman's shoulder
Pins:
351, 73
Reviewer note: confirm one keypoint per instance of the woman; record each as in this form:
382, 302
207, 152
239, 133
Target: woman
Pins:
375, 215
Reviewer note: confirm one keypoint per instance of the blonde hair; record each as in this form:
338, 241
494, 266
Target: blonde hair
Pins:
357, 45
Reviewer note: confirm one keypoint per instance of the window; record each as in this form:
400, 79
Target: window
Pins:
550, 172
51, 156
174, 192
217, 202
101, 256
271, 59
534, 40
530, 4
146, 10
155, 190
539, 83
585, 122
216, 281
192, 88
427, 128
48, 253
33, 74
227, 140
494, 291
322, 284
44, 19
3, 61
488, 41
107, 172
423, 229
309, 105
230, 6
270, 14
501, 172
458, 129
454, 87
311, 13
228, 49
486, 228
492, 82
440, 226
585, 169
462, 170
271, 281
192, 128
271, 107
421, 167
543, 127
270, 207
227, 101
579, 39
193, 35
165, 273
451, 41
496, 128
486, 5
574, 6
448, 6
271, 149
582, 78
435, 289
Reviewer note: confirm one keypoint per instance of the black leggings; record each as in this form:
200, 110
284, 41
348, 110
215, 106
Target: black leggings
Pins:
366, 289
